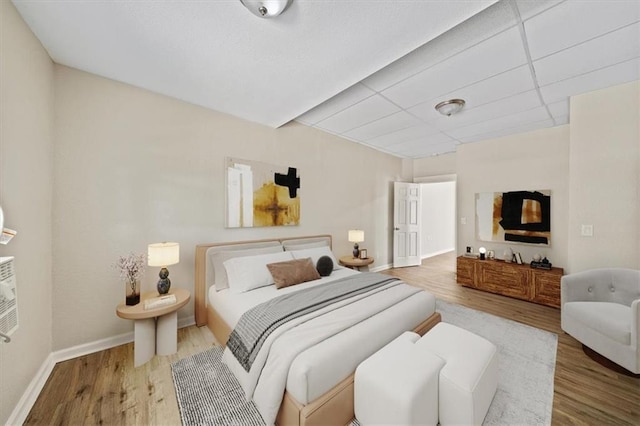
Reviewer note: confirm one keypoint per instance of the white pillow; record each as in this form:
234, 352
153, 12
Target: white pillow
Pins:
250, 272
315, 254
218, 258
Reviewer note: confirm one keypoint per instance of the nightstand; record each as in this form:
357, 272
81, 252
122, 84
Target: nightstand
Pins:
354, 262
155, 330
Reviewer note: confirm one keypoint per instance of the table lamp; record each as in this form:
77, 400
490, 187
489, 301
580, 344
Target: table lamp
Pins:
356, 236
163, 254
483, 252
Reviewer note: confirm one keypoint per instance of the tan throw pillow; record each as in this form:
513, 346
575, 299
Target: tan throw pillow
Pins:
293, 272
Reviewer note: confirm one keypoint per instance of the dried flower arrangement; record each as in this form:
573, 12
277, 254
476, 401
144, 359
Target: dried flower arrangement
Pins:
132, 269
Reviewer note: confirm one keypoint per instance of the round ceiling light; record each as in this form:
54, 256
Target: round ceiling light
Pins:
449, 107
266, 8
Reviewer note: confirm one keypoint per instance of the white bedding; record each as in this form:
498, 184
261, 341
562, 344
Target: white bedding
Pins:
230, 306
314, 370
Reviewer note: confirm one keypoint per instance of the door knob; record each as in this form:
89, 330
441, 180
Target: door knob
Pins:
396, 229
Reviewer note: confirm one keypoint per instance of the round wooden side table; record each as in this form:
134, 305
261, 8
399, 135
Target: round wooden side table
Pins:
354, 262
156, 329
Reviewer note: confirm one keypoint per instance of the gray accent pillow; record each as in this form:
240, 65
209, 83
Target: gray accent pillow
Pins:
324, 266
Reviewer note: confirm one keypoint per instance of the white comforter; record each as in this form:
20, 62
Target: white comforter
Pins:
266, 380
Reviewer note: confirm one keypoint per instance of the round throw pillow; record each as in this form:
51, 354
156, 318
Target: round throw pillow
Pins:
324, 266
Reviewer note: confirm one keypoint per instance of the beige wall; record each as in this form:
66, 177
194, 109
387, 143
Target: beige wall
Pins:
529, 161
133, 168
435, 166
26, 144
605, 178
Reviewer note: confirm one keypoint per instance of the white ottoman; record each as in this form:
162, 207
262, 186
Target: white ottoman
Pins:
398, 385
469, 379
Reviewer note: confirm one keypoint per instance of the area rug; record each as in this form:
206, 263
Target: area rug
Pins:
208, 394
527, 361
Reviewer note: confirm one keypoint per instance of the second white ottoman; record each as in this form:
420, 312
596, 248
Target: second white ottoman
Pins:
469, 379
398, 385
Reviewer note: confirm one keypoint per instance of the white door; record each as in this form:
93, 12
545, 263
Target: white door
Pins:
406, 224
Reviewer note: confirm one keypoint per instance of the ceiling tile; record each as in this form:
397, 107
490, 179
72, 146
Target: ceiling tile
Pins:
398, 121
493, 56
438, 139
599, 79
492, 89
530, 8
482, 26
574, 22
560, 108
417, 150
403, 135
351, 96
356, 115
508, 121
510, 131
610, 49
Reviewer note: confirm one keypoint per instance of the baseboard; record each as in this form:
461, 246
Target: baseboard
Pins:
186, 321
29, 397
381, 268
108, 343
91, 347
21, 411
437, 253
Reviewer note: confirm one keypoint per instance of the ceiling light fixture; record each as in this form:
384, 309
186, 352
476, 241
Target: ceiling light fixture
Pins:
449, 107
266, 8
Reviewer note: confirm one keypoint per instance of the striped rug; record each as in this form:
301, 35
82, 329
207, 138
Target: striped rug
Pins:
209, 394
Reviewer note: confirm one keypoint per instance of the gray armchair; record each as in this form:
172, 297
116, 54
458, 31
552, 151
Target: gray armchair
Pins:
601, 309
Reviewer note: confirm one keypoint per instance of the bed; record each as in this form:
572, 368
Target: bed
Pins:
318, 389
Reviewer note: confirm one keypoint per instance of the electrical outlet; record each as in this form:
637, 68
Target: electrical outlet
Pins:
587, 231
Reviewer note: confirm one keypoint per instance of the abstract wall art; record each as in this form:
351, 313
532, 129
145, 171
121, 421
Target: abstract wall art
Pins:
261, 194
514, 217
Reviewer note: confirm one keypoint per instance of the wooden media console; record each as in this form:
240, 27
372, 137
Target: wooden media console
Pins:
510, 279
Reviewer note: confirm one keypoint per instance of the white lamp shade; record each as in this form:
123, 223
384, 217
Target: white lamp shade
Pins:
356, 236
163, 254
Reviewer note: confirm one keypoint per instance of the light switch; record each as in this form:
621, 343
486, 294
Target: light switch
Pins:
463, 221
587, 231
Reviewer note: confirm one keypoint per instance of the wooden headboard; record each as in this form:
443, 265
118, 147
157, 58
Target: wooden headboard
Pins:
200, 286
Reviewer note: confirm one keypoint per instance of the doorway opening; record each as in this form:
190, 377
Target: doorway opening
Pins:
438, 212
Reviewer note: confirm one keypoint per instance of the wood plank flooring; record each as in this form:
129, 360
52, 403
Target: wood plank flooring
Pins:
105, 388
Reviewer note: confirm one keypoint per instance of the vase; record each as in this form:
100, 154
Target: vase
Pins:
132, 293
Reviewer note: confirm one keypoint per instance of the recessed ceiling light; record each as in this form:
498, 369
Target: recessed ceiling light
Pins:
449, 107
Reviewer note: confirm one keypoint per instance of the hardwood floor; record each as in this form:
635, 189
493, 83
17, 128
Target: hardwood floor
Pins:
105, 388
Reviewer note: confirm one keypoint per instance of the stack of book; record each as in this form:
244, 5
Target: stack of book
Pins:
543, 264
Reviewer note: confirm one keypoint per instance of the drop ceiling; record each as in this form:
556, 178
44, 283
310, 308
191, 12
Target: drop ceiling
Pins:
368, 71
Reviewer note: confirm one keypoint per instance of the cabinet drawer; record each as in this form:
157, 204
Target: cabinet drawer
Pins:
465, 274
506, 279
547, 287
